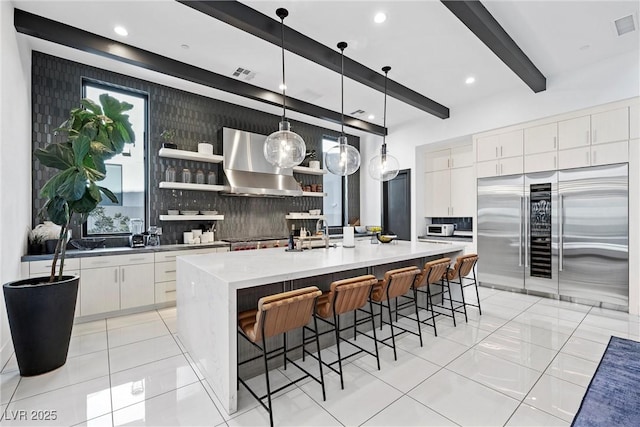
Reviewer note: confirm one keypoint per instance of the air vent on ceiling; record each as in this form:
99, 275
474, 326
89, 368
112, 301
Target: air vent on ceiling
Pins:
357, 112
243, 73
625, 25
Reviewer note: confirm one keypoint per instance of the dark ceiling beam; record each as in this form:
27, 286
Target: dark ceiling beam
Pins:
253, 22
481, 23
56, 32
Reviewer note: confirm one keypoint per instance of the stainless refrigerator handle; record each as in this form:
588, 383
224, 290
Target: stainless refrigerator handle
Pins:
560, 232
526, 232
520, 233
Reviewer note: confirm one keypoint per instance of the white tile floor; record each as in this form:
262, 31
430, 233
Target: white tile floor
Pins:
525, 362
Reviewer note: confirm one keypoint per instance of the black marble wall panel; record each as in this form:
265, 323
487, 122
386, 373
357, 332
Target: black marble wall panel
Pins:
57, 88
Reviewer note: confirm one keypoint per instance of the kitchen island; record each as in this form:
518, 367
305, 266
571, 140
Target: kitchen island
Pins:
208, 288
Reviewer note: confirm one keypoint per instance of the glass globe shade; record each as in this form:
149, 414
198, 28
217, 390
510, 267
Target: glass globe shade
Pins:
384, 168
343, 159
284, 148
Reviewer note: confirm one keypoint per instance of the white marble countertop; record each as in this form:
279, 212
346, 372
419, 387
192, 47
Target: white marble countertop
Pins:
243, 269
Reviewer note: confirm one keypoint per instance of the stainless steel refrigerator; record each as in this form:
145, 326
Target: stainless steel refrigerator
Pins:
560, 233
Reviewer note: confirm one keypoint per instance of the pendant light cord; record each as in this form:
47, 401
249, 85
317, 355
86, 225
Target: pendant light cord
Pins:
342, 46
383, 152
283, 13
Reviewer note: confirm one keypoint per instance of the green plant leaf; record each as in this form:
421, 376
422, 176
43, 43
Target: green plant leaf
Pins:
57, 210
81, 147
85, 204
109, 194
73, 187
51, 187
58, 156
91, 106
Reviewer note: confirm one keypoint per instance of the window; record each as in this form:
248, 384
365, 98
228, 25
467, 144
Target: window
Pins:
332, 185
125, 172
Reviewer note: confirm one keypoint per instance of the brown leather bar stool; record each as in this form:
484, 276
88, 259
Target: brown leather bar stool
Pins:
344, 296
432, 274
276, 315
463, 267
396, 283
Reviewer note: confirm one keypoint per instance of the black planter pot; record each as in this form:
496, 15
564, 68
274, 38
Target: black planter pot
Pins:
41, 318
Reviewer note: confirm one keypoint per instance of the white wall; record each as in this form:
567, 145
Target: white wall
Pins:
15, 160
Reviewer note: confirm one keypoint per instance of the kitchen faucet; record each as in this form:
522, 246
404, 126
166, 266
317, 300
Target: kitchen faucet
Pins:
320, 227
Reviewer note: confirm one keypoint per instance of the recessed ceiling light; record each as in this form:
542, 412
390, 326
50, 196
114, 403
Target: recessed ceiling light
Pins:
380, 17
470, 80
282, 86
585, 47
185, 46
371, 117
121, 30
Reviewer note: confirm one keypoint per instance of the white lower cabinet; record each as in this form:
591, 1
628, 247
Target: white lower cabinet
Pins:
100, 290
136, 286
165, 291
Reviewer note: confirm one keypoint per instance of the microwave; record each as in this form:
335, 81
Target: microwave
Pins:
440, 229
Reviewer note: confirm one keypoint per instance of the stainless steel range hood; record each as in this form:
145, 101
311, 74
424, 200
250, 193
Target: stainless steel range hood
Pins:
247, 172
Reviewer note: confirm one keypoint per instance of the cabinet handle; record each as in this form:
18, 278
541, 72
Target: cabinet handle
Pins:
136, 259
448, 163
169, 271
451, 162
169, 292
496, 169
501, 151
555, 162
171, 256
122, 274
451, 210
496, 151
555, 141
115, 275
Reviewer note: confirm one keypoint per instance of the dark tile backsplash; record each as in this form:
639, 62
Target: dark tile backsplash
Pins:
57, 87
461, 223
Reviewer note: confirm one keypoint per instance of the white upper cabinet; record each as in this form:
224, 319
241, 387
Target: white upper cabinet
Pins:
461, 157
437, 160
500, 146
610, 126
541, 139
574, 133
450, 158
634, 121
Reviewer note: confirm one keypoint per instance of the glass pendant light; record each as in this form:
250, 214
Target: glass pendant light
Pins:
343, 159
284, 148
384, 167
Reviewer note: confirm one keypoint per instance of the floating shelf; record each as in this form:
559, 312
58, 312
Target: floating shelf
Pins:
313, 194
189, 155
190, 186
191, 217
309, 171
303, 216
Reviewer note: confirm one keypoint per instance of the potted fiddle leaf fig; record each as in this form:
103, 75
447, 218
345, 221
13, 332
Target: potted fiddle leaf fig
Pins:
41, 310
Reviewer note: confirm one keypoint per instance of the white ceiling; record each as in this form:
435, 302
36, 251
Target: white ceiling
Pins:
428, 48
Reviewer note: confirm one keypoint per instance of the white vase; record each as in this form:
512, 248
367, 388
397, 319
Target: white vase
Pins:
48, 230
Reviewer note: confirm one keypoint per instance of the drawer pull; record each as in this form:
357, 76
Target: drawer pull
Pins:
170, 271
137, 259
168, 292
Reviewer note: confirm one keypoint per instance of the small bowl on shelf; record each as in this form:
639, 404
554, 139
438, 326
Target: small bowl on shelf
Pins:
189, 212
209, 212
173, 212
314, 211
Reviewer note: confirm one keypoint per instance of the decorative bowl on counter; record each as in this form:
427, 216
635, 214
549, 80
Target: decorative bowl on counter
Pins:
87, 243
189, 212
361, 229
386, 238
374, 228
